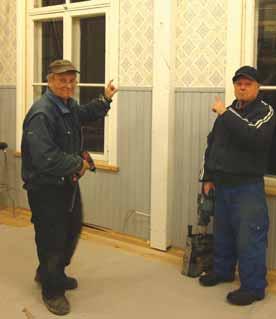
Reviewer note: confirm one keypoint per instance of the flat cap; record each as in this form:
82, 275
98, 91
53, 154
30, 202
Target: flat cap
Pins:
248, 72
62, 66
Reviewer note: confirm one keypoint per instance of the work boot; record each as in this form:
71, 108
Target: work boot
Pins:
211, 279
242, 297
57, 305
69, 282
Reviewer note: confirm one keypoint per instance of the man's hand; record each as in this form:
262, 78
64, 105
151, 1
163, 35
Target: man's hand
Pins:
110, 90
207, 186
218, 107
85, 167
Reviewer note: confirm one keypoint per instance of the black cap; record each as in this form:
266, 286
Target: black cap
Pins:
248, 72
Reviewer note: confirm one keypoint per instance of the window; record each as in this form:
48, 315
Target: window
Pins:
46, 3
266, 42
266, 61
78, 30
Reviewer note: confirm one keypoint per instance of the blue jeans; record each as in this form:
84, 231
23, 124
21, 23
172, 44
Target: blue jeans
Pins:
240, 232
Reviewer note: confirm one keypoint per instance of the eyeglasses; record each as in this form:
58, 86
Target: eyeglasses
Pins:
64, 82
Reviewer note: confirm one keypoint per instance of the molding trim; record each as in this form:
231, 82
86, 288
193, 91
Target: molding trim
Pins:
9, 86
235, 41
200, 90
21, 68
133, 88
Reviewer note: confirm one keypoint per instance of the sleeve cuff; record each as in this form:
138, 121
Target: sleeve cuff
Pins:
105, 99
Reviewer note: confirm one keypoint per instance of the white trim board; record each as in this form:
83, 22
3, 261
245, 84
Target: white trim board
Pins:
162, 121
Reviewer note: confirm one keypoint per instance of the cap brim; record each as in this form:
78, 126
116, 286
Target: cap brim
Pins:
235, 78
64, 70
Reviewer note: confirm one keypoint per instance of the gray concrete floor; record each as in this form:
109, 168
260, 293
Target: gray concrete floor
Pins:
113, 284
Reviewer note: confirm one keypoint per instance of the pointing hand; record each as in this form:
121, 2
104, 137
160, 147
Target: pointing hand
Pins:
218, 107
110, 90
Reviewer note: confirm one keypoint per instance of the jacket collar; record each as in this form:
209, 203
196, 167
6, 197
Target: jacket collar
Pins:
236, 105
65, 109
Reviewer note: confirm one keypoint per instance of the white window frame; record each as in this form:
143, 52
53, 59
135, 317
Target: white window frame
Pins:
25, 50
241, 31
241, 47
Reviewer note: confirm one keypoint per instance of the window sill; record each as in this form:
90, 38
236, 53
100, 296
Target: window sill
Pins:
101, 165
270, 185
270, 191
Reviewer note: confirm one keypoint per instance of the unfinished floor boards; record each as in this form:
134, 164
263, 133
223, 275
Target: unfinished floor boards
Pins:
120, 241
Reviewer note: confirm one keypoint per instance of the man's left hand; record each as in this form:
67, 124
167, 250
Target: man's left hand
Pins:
110, 90
219, 107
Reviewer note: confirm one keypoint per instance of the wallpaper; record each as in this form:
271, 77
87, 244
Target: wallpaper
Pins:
200, 51
201, 43
136, 45
7, 42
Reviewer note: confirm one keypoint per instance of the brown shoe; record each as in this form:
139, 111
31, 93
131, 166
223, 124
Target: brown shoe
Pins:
59, 305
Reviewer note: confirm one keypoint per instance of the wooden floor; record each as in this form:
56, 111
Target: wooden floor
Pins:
21, 218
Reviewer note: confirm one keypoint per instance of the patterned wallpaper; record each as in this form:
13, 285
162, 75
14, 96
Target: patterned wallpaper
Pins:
7, 42
201, 43
136, 45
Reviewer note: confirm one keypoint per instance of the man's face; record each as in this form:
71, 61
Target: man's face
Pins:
63, 84
246, 90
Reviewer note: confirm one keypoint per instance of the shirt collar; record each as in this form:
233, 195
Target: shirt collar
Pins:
65, 109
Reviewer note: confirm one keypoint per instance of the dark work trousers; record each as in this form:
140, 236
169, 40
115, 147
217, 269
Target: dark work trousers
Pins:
240, 233
57, 232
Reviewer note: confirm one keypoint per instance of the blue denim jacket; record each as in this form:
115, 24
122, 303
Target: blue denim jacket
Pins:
51, 141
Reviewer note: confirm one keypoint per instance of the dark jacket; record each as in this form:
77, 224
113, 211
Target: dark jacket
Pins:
51, 142
238, 144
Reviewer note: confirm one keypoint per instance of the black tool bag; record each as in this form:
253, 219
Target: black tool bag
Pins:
198, 257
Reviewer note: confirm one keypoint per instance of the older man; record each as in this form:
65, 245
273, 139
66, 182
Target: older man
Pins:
51, 148
235, 163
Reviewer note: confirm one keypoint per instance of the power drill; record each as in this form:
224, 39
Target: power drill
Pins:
86, 156
205, 207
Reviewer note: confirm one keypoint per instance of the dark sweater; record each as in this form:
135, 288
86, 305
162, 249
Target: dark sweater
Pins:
238, 144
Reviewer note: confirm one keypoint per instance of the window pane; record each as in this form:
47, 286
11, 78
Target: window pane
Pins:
48, 46
266, 56
89, 48
93, 134
38, 91
46, 3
